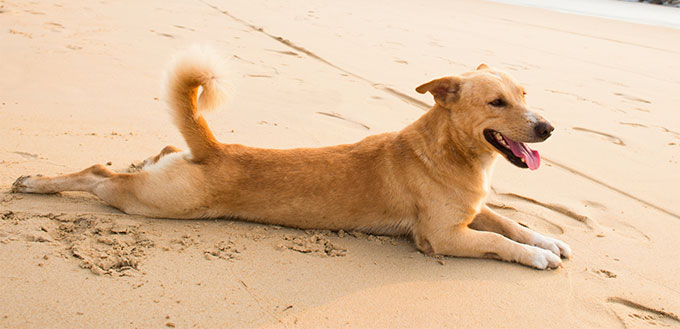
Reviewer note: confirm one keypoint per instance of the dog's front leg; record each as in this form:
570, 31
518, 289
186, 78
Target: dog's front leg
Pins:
488, 220
444, 238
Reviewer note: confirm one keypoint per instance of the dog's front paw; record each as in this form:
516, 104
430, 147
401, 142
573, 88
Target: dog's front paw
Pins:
544, 259
19, 185
557, 247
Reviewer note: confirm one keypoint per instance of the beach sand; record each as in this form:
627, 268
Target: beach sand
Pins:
81, 85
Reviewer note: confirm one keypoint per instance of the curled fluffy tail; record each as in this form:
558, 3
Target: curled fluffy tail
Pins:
189, 70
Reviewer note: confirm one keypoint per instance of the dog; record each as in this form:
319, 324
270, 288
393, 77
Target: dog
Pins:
429, 181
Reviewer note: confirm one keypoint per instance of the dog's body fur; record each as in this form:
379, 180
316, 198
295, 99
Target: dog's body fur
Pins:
429, 180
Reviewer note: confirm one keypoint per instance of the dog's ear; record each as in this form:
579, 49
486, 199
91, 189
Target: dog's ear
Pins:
482, 66
446, 91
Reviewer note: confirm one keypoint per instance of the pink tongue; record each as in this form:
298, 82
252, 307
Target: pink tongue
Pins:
531, 157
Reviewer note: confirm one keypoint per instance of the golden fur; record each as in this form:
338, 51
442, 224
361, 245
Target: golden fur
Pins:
429, 180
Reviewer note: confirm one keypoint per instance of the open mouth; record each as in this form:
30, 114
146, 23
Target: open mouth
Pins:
517, 153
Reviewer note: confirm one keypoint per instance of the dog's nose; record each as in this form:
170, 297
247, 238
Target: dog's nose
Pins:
543, 130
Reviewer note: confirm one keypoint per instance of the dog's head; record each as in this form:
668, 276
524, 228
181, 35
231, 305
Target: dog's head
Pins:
490, 106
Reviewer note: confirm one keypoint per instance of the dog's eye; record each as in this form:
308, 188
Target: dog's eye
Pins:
497, 102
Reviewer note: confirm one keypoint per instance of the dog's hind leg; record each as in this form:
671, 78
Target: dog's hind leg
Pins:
114, 189
84, 180
488, 220
152, 194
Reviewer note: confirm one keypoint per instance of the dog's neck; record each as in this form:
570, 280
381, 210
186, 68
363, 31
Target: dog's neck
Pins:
438, 138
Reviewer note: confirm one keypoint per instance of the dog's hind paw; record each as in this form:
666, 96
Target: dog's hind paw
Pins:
18, 186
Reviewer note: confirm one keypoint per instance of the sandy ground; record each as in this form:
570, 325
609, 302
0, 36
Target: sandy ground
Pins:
81, 85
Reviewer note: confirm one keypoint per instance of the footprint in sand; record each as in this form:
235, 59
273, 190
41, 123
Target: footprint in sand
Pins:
607, 137
632, 314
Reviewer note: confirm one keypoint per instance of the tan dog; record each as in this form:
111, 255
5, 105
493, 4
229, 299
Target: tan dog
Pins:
429, 180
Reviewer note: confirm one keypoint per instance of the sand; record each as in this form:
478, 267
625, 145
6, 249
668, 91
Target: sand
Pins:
81, 85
